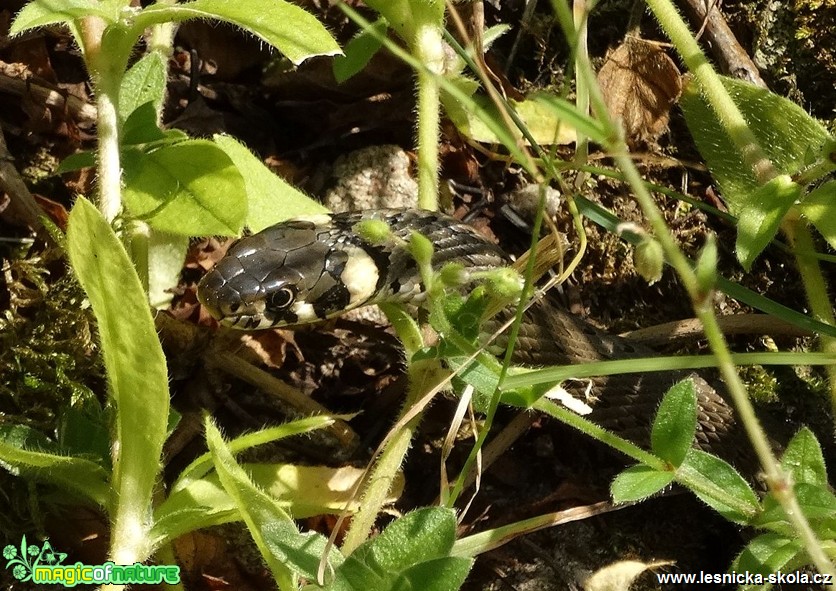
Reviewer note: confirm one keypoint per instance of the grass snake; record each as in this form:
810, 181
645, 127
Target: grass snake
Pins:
305, 270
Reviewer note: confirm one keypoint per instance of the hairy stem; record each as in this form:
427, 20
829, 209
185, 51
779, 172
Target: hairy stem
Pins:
423, 377
729, 116
815, 286
106, 65
430, 52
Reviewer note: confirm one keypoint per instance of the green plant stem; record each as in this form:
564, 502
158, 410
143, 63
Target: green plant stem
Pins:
161, 38
109, 167
423, 377
584, 425
676, 29
753, 156
580, 12
496, 398
801, 240
712, 88
429, 50
778, 481
551, 375
106, 65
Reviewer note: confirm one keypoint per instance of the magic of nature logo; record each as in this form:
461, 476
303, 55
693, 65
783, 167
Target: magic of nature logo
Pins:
42, 564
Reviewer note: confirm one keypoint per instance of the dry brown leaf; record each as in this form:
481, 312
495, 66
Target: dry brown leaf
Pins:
640, 85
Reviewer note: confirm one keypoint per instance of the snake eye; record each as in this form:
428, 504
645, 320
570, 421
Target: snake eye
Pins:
281, 299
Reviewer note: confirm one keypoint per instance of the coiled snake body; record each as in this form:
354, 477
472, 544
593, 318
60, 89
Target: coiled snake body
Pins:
301, 271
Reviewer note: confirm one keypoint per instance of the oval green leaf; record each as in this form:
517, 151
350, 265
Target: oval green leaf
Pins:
675, 423
637, 483
270, 198
803, 459
719, 486
133, 358
761, 217
191, 188
285, 26
819, 206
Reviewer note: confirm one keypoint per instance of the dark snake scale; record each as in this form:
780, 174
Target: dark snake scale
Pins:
301, 271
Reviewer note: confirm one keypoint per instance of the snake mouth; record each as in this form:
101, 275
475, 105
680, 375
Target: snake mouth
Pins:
246, 322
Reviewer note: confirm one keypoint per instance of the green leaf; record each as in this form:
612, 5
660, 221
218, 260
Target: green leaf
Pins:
191, 188
803, 459
256, 508
40, 13
571, 118
675, 423
817, 503
407, 16
287, 552
767, 554
203, 503
141, 127
271, 199
294, 32
719, 486
819, 206
143, 83
402, 552
24, 452
462, 109
418, 536
84, 431
77, 161
442, 574
784, 131
314, 490
359, 51
201, 465
302, 491
166, 255
761, 217
637, 483
133, 357
548, 120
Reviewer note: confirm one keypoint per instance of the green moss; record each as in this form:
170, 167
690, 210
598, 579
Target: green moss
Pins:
794, 44
47, 354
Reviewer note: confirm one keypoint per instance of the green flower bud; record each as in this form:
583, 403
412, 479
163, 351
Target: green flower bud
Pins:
706, 268
421, 249
374, 231
649, 259
504, 283
454, 275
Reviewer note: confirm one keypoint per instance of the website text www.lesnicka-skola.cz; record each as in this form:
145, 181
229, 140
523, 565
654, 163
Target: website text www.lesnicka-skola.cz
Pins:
743, 578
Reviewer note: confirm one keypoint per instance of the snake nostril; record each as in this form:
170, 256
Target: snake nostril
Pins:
233, 308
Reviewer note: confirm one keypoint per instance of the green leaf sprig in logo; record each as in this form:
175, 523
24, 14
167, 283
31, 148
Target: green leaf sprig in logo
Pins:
24, 560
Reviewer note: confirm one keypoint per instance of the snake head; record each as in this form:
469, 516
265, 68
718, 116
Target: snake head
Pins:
292, 273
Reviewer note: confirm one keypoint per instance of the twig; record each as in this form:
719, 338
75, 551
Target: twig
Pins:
691, 329
12, 82
732, 58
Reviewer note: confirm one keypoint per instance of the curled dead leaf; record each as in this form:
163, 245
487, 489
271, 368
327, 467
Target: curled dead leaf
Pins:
640, 85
